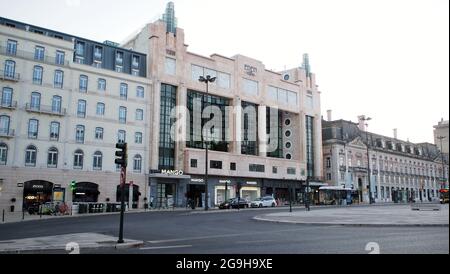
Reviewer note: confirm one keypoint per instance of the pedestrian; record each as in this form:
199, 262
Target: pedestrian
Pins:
57, 209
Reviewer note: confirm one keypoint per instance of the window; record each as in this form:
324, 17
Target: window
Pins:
329, 176
232, 166
60, 57
35, 101
33, 127
37, 75
98, 52
289, 156
292, 98
79, 49
101, 85
135, 62
309, 102
139, 115
256, 168
122, 114
83, 83
272, 93
291, 171
79, 134
121, 136
11, 47
39, 53
194, 163
7, 97
250, 87
78, 159
119, 58
56, 104
81, 109
54, 131
123, 91
310, 145
223, 80
137, 163
30, 156
171, 66
3, 153
52, 158
328, 162
59, 79
140, 92
97, 163
138, 137
10, 69
4, 125
99, 133
197, 71
274, 170
215, 164
282, 96
100, 109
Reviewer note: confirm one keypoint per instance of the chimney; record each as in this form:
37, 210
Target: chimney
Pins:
395, 133
362, 122
329, 118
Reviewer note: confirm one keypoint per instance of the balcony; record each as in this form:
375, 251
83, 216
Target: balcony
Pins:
15, 77
7, 133
46, 110
9, 105
52, 60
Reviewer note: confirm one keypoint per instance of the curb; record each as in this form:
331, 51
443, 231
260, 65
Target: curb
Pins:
261, 219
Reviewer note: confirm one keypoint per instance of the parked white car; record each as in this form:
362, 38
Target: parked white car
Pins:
264, 202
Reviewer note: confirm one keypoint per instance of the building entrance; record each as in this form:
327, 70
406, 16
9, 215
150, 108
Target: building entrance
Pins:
36, 193
196, 193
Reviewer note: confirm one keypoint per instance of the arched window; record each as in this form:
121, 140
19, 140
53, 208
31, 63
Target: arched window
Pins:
10, 69
3, 154
7, 94
52, 159
137, 163
78, 159
97, 163
58, 79
56, 104
30, 156
38, 71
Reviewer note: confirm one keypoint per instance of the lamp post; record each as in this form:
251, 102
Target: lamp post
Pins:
442, 162
208, 79
368, 160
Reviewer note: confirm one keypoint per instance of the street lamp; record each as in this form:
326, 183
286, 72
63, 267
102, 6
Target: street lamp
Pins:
368, 160
442, 162
208, 79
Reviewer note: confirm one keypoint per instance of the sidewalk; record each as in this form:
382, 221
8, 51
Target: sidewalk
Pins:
69, 243
389, 215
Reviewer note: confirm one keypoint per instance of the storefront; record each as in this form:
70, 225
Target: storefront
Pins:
36, 193
85, 192
168, 189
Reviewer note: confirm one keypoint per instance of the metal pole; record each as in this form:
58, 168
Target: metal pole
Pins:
442, 162
290, 199
368, 169
207, 161
3, 216
122, 203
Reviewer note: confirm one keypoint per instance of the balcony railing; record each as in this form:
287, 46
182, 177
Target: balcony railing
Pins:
9, 105
46, 110
7, 133
15, 77
52, 60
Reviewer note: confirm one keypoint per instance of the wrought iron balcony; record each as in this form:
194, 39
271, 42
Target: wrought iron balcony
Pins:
9, 105
7, 133
52, 60
7, 76
46, 110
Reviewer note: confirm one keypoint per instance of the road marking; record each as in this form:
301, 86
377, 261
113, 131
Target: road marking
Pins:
227, 235
255, 241
164, 247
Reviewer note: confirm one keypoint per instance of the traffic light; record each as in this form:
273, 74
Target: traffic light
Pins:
122, 154
72, 185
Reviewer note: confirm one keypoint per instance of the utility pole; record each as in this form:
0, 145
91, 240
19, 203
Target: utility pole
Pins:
122, 161
442, 162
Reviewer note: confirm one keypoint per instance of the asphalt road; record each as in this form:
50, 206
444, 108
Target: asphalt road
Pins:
236, 232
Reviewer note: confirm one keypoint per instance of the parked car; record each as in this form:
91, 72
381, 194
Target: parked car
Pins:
226, 204
264, 202
240, 203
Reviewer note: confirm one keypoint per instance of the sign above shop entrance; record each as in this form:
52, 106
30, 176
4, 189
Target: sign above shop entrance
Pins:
172, 172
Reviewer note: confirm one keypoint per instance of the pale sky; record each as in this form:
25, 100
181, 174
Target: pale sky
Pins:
387, 59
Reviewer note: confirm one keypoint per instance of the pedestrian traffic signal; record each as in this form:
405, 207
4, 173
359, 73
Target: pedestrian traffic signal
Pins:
72, 185
122, 154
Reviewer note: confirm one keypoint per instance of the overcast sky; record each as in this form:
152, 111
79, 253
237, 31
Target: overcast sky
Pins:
387, 59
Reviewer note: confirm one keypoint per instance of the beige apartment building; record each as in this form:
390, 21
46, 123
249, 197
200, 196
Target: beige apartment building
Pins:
178, 167
65, 102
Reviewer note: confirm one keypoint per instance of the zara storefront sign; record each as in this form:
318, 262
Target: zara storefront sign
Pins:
172, 172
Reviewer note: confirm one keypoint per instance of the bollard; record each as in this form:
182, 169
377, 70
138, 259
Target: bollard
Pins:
3, 216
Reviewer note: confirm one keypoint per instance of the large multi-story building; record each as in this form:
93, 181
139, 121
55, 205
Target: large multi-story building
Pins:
400, 171
240, 153
65, 102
